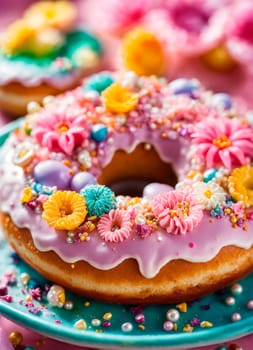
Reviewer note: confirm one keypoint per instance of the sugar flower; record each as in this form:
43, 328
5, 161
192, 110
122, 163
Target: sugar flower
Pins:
55, 14
209, 194
64, 210
177, 212
16, 37
99, 199
142, 52
226, 142
239, 31
185, 109
189, 27
115, 226
118, 99
118, 16
60, 129
240, 184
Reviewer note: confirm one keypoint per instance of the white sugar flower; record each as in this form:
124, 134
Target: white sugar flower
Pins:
209, 194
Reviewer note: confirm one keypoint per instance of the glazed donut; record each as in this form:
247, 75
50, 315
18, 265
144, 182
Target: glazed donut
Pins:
44, 53
132, 189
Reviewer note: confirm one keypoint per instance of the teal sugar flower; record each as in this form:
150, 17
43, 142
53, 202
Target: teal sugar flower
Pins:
99, 199
98, 82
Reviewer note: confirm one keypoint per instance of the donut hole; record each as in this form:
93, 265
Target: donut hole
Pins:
128, 173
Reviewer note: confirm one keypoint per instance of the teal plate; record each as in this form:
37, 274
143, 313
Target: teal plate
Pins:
116, 326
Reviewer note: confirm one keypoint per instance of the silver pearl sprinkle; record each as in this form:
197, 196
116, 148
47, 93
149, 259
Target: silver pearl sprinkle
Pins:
250, 305
127, 327
230, 301
236, 317
236, 289
172, 315
69, 240
68, 305
95, 322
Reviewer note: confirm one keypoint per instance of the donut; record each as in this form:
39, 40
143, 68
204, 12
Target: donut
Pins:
132, 189
44, 53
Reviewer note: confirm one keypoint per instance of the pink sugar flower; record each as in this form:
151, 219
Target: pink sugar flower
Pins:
227, 142
190, 27
60, 129
177, 212
115, 226
117, 16
185, 109
240, 31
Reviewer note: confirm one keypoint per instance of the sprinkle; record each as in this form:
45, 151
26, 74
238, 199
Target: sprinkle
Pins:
188, 328
127, 327
182, 307
206, 324
141, 326
139, 318
195, 322
107, 316
95, 322
80, 324
87, 303
236, 317
106, 324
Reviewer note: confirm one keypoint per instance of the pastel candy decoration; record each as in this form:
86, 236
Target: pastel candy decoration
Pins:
52, 173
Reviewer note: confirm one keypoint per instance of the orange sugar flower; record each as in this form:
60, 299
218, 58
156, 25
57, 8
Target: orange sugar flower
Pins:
118, 99
142, 52
65, 210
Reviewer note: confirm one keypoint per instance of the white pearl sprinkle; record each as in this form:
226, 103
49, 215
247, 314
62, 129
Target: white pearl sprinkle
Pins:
236, 289
68, 305
172, 315
95, 322
230, 301
24, 278
236, 317
127, 327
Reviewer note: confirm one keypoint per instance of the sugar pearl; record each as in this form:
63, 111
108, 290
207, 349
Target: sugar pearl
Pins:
68, 305
139, 318
95, 322
236, 317
250, 305
236, 289
48, 99
24, 278
15, 338
127, 327
168, 326
33, 107
140, 219
230, 301
172, 315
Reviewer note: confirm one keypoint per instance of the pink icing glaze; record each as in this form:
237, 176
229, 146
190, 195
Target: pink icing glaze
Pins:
156, 250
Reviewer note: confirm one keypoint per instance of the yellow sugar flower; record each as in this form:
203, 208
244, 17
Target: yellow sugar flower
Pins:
240, 184
118, 99
27, 195
16, 37
65, 210
55, 14
142, 52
